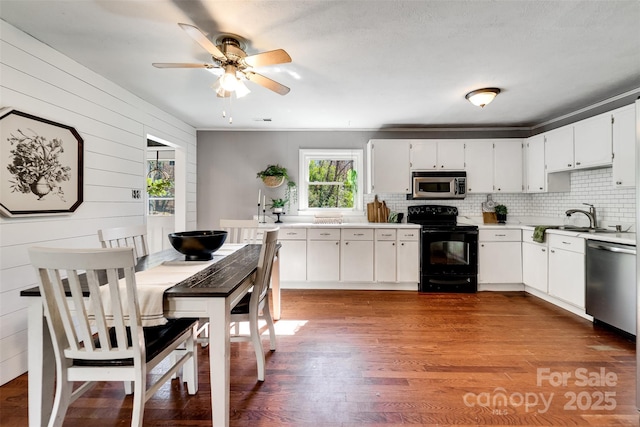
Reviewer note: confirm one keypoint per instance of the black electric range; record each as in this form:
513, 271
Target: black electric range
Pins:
448, 250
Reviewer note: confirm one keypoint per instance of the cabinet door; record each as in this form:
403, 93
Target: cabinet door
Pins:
385, 261
624, 137
534, 266
507, 166
478, 156
389, 170
558, 149
293, 260
566, 276
356, 261
450, 154
323, 260
408, 261
536, 182
499, 262
592, 141
424, 154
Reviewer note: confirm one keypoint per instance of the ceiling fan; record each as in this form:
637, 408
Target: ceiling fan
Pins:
229, 56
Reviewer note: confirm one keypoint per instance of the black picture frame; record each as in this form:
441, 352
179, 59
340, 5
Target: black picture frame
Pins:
41, 166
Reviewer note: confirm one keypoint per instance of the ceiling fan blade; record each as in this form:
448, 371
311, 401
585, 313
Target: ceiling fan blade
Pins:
181, 65
202, 40
272, 57
267, 82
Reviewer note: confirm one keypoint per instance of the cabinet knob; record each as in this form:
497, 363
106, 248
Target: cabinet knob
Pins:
499, 189
618, 182
578, 163
541, 188
482, 246
337, 243
434, 166
442, 166
346, 243
569, 164
552, 251
544, 250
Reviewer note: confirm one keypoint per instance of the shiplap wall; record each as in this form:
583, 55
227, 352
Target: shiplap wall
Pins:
114, 125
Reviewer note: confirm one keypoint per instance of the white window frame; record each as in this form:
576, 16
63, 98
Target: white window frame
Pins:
306, 155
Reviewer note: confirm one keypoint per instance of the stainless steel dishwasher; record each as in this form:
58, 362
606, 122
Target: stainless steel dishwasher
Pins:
611, 284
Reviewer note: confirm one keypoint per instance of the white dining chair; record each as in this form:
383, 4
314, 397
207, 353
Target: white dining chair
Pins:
88, 347
240, 230
254, 306
134, 236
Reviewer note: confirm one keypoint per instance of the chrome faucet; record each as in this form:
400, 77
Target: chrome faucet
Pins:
593, 219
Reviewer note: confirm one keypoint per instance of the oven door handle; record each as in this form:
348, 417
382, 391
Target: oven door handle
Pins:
449, 282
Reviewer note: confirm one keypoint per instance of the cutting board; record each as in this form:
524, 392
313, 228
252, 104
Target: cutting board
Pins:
489, 218
377, 211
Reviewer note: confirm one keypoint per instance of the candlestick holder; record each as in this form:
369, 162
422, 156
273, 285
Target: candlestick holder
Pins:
264, 215
258, 211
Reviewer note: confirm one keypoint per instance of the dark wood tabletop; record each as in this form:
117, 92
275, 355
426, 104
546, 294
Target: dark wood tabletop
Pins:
220, 279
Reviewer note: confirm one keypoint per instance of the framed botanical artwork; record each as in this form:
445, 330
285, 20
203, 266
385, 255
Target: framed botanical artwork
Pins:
41, 165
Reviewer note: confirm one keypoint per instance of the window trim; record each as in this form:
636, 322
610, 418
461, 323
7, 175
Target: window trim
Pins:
305, 155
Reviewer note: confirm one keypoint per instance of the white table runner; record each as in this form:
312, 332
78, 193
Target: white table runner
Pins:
152, 283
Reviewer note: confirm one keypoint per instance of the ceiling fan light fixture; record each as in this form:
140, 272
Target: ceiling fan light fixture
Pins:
241, 89
482, 97
229, 81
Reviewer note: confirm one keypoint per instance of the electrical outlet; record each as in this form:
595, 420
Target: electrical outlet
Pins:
135, 193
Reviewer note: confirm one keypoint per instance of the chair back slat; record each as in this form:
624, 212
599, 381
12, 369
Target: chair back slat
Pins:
121, 237
265, 263
72, 326
240, 230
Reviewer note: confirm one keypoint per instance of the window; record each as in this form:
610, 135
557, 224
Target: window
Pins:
331, 180
160, 185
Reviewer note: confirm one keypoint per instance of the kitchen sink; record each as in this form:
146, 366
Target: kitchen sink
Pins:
585, 229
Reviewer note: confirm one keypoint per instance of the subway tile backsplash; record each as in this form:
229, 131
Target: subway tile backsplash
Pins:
589, 186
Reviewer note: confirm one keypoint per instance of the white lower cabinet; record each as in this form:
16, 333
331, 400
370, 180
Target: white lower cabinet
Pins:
499, 256
534, 263
293, 254
408, 256
323, 255
356, 255
385, 255
566, 269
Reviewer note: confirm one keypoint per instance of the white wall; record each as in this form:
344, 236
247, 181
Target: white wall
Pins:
114, 125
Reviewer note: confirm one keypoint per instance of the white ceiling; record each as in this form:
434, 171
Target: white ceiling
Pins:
356, 64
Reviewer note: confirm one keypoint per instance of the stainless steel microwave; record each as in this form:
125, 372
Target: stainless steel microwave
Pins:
430, 185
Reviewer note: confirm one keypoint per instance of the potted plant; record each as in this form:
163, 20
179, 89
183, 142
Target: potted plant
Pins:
273, 176
158, 187
501, 213
278, 205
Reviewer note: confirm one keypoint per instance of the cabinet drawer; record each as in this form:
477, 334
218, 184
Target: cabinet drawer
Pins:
385, 234
357, 234
569, 243
409, 234
292, 234
499, 235
324, 234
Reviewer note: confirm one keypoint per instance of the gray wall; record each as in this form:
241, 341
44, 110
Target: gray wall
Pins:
229, 160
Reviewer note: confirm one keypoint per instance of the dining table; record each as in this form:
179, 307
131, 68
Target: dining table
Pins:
210, 293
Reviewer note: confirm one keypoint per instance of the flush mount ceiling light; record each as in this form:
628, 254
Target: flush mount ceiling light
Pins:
482, 97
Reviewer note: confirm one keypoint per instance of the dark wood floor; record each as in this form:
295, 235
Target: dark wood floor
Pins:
368, 358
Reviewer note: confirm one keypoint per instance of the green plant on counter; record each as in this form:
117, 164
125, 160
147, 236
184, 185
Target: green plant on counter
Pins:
278, 203
501, 209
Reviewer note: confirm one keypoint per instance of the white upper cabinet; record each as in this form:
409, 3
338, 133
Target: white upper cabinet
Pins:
479, 165
535, 173
441, 154
389, 170
624, 142
582, 145
592, 141
424, 154
507, 166
559, 149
